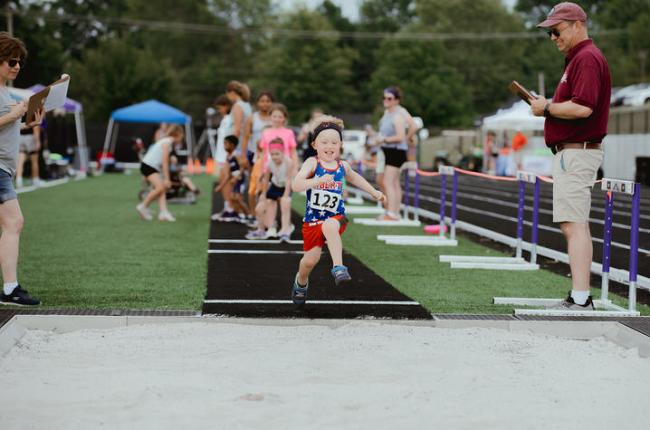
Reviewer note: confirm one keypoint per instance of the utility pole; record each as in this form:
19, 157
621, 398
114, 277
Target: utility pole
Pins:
10, 18
642, 57
540, 84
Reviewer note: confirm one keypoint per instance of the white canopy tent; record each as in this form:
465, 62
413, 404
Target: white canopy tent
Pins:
516, 117
536, 158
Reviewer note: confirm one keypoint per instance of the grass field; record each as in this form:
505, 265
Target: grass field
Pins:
84, 246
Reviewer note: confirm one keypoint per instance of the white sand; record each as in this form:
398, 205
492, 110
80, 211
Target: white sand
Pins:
359, 375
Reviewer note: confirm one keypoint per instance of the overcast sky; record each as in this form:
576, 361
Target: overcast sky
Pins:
350, 8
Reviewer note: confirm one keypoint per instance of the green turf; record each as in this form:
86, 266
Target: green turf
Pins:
84, 246
416, 271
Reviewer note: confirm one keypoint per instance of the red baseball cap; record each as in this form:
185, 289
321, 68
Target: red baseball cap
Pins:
565, 11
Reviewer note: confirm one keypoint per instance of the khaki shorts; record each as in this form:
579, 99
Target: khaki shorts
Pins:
574, 174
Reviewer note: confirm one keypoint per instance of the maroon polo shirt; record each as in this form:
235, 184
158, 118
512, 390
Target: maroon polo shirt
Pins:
587, 82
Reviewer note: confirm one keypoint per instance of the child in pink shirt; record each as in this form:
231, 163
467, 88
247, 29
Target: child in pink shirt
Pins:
279, 117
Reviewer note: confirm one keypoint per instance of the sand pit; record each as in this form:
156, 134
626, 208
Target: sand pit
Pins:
225, 375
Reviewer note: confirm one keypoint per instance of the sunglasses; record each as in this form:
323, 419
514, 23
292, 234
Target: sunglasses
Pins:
389, 98
555, 32
12, 63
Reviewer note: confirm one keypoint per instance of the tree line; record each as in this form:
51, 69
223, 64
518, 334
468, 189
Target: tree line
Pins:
452, 58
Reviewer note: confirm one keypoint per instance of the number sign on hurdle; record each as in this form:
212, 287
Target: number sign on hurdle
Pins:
507, 263
604, 306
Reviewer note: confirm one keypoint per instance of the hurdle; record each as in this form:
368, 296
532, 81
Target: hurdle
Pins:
506, 263
604, 306
405, 221
356, 201
429, 240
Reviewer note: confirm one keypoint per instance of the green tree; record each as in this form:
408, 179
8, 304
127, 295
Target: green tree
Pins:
58, 30
117, 74
386, 15
626, 30
306, 72
206, 54
486, 64
432, 89
376, 16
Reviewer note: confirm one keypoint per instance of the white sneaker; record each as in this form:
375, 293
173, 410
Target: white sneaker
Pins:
19, 182
271, 233
36, 182
144, 212
166, 216
288, 232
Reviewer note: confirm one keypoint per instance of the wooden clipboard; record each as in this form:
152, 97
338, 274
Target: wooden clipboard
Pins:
37, 101
519, 90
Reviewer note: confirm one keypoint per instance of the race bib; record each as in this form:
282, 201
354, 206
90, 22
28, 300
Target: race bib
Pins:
323, 200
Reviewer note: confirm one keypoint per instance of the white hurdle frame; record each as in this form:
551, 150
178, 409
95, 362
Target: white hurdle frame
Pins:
604, 306
405, 221
507, 263
428, 240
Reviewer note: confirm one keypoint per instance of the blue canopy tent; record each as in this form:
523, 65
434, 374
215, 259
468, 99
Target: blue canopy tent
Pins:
151, 111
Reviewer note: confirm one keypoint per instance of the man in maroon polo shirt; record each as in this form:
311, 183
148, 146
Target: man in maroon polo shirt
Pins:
576, 123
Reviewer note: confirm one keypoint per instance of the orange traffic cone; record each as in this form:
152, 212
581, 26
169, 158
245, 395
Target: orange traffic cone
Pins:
197, 167
209, 166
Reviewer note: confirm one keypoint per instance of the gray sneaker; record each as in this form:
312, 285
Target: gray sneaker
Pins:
569, 305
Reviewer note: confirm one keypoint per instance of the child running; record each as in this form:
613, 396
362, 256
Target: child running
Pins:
322, 176
276, 186
231, 184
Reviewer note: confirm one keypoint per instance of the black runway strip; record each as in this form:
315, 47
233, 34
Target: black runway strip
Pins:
254, 279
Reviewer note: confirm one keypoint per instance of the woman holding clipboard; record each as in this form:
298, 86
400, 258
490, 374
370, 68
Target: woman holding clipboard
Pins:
12, 55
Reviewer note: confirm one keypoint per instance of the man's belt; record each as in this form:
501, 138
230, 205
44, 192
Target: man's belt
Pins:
584, 145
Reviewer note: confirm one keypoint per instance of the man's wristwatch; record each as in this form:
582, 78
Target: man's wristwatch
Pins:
547, 113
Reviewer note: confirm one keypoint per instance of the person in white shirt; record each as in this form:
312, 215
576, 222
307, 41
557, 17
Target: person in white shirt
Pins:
155, 169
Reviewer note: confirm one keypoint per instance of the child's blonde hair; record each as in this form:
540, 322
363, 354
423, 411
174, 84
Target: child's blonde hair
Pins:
323, 119
322, 123
175, 130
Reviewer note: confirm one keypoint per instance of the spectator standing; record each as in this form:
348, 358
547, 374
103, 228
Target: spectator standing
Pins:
519, 141
12, 56
279, 117
255, 125
30, 145
392, 138
239, 95
576, 123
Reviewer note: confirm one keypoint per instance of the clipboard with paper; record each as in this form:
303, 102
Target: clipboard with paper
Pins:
51, 97
519, 90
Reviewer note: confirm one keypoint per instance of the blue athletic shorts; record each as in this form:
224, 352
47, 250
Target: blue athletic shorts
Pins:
7, 191
275, 192
240, 187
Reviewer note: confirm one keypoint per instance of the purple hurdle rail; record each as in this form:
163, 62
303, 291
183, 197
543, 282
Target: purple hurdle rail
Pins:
613, 186
531, 178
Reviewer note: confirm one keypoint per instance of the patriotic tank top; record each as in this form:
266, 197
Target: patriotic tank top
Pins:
326, 200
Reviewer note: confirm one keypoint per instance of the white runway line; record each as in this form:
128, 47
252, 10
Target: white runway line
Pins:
250, 251
311, 302
254, 241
